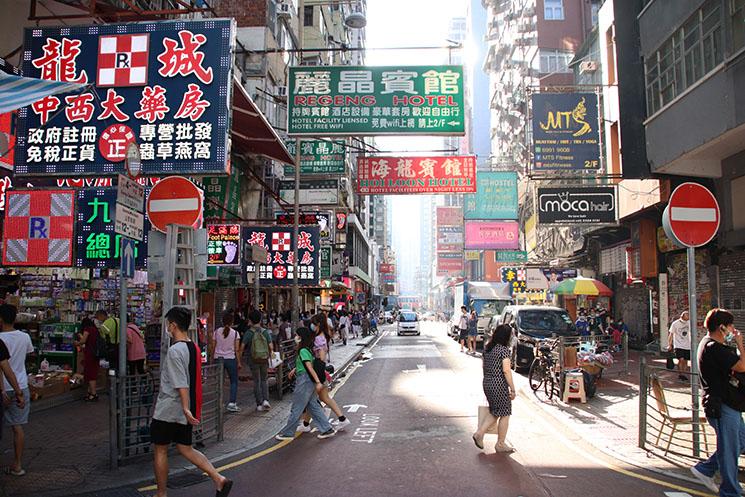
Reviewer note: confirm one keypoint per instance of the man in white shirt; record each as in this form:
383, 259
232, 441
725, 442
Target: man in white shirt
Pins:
16, 415
679, 340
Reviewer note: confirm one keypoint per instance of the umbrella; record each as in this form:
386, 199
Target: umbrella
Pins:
582, 286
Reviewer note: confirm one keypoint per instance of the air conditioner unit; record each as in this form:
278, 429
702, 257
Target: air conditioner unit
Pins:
281, 92
284, 10
588, 66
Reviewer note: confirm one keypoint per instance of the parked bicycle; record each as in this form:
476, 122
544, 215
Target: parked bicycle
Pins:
543, 370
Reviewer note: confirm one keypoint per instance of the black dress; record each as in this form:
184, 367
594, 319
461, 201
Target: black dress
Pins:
496, 389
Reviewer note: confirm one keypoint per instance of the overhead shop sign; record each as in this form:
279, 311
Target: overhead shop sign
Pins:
495, 198
449, 262
510, 256
318, 157
404, 175
324, 220
164, 85
387, 268
577, 205
449, 216
224, 244
492, 235
312, 191
566, 131
325, 263
449, 238
222, 195
384, 100
97, 245
280, 261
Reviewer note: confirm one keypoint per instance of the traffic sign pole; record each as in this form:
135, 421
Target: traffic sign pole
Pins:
122, 313
693, 320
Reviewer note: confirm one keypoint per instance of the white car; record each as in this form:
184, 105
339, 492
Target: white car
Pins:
408, 322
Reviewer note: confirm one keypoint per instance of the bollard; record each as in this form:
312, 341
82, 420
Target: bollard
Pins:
220, 404
626, 353
113, 424
643, 387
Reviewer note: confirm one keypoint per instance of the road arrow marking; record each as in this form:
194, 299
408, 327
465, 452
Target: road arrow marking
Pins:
354, 407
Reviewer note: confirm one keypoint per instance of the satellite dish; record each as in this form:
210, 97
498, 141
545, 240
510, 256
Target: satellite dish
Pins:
356, 20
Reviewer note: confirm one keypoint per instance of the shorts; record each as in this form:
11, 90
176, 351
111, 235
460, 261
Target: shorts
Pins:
14, 415
165, 433
472, 333
683, 354
463, 334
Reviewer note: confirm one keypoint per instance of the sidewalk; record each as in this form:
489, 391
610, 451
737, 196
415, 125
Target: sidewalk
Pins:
67, 449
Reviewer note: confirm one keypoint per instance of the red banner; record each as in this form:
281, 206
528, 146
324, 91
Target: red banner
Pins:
449, 263
387, 268
402, 175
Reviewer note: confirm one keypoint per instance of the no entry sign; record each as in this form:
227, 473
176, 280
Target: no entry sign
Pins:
174, 200
692, 216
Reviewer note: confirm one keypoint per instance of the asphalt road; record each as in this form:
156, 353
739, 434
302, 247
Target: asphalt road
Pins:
413, 409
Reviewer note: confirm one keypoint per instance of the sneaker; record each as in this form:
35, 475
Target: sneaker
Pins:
260, 408
341, 425
706, 481
283, 437
233, 407
266, 404
327, 434
303, 429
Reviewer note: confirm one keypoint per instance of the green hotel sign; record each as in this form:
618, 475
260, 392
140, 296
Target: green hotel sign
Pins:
318, 157
385, 100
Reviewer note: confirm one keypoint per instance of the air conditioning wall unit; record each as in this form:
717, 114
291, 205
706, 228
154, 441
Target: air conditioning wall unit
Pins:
284, 10
281, 92
588, 66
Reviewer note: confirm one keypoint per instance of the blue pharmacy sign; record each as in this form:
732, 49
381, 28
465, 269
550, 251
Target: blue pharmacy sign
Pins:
96, 243
566, 131
166, 86
495, 197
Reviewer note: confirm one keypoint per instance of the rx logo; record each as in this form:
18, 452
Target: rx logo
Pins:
38, 228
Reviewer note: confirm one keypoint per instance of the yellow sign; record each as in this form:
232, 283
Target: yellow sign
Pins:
472, 255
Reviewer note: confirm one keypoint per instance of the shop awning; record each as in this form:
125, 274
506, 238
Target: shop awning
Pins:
251, 132
17, 91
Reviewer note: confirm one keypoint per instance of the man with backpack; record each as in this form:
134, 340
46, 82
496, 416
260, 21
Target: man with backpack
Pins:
258, 342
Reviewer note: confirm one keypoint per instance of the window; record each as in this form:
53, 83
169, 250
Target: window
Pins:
555, 61
688, 55
308, 16
737, 23
553, 10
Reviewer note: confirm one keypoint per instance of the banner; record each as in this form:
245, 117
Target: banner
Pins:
381, 100
312, 191
38, 229
400, 175
222, 194
547, 278
510, 256
472, 255
280, 262
495, 198
387, 268
324, 220
566, 132
325, 263
166, 85
577, 205
492, 235
318, 157
449, 263
224, 244
450, 239
449, 216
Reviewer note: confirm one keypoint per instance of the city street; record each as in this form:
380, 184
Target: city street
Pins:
413, 409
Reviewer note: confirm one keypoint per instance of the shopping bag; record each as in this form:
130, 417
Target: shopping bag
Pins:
275, 360
483, 413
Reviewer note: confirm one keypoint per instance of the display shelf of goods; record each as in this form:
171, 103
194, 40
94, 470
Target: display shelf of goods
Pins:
56, 341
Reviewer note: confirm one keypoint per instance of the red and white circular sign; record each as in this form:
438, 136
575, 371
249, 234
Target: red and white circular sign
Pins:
114, 142
692, 216
174, 200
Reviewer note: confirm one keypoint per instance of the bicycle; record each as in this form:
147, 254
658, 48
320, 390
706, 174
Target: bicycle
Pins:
542, 371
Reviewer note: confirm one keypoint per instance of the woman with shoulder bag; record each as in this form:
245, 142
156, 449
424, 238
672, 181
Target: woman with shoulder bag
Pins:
224, 346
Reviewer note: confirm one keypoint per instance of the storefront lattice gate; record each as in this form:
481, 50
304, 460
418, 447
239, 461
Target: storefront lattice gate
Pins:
131, 410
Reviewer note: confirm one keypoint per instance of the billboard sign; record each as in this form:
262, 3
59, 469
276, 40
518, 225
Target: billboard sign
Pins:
577, 205
222, 196
449, 216
449, 238
380, 100
492, 235
566, 131
403, 175
449, 263
324, 220
312, 191
325, 263
280, 261
495, 198
387, 268
510, 256
318, 157
165, 85
224, 244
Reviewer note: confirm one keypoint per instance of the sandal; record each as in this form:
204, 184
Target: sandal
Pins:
479, 441
12, 472
504, 448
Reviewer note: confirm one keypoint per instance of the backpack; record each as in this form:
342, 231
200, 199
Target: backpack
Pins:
259, 348
101, 348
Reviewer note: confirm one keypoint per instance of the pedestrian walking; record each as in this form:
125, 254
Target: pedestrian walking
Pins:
258, 341
473, 329
179, 405
136, 353
307, 387
16, 413
344, 327
717, 363
463, 327
224, 345
88, 340
356, 324
108, 329
498, 388
679, 341
6, 371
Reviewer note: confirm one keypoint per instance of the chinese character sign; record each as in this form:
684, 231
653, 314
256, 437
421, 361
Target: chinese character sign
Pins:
382, 100
164, 85
280, 262
324, 220
224, 244
495, 198
492, 235
97, 245
222, 196
566, 131
318, 157
401, 175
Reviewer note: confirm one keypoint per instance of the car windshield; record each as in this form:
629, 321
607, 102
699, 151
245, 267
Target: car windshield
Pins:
545, 321
488, 308
407, 316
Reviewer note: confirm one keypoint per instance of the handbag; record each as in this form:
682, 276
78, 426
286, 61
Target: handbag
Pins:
736, 391
670, 363
483, 414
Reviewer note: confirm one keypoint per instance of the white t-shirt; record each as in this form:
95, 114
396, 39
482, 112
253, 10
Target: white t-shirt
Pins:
19, 345
681, 332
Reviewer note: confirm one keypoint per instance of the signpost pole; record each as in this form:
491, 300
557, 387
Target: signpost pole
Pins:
694, 347
122, 313
257, 299
296, 224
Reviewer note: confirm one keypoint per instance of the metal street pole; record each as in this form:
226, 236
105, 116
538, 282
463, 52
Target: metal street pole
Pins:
257, 288
693, 320
296, 224
122, 319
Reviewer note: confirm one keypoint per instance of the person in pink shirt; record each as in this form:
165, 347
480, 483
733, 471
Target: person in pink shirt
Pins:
225, 343
135, 349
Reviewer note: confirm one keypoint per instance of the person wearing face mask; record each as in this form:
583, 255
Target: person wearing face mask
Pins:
679, 340
716, 362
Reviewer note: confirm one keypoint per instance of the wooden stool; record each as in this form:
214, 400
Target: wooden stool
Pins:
574, 387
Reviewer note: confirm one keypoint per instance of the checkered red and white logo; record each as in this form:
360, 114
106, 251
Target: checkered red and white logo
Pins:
281, 241
122, 60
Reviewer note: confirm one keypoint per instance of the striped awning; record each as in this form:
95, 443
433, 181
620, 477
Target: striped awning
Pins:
17, 91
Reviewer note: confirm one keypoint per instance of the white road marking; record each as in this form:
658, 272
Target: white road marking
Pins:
354, 407
677, 494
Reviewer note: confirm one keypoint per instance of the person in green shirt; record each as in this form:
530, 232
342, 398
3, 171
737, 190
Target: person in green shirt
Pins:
108, 328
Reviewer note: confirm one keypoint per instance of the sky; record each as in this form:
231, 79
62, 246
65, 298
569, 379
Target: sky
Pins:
408, 23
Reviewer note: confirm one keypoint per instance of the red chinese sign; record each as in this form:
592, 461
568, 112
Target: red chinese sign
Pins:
280, 260
403, 175
387, 268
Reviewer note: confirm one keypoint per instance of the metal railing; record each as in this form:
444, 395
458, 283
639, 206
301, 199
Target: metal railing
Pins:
283, 384
132, 401
597, 344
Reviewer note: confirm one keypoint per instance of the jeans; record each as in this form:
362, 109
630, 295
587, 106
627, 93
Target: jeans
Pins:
730, 432
305, 396
230, 366
260, 375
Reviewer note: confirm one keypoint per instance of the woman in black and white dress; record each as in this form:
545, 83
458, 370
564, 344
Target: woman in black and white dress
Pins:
498, 388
